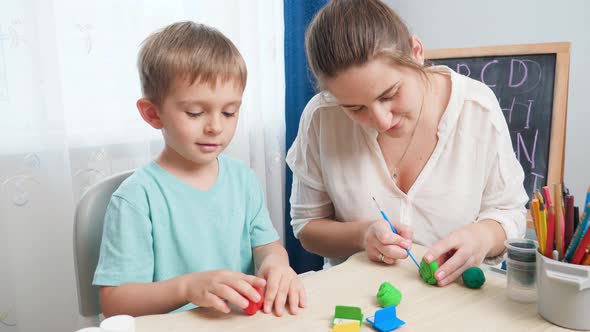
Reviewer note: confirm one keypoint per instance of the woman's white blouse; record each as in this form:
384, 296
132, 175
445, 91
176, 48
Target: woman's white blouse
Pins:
472, 175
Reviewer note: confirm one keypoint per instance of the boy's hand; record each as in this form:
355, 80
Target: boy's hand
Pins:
282, 285
211, 288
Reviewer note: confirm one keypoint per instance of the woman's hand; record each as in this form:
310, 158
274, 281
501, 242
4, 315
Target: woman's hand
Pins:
382, 245
460, 250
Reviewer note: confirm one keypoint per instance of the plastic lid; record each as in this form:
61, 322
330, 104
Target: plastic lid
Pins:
121, 323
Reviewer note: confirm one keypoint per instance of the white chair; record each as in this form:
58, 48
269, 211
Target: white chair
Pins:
88, 222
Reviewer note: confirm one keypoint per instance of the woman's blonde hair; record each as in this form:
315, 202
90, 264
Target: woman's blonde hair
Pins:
348, 33
190, 51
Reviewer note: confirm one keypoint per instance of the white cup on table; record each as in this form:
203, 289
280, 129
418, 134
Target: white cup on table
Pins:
120, 323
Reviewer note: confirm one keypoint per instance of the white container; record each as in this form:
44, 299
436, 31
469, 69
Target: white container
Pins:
120, 323
521, 276
521, 280
563, 293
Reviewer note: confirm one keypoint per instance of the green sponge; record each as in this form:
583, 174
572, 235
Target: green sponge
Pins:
388, 295
473, 277
427, 271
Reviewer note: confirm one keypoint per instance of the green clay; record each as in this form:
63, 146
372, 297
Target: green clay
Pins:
427, 271
473, 277
388, 295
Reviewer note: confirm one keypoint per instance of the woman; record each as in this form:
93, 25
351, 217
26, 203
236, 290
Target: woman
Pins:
431, 146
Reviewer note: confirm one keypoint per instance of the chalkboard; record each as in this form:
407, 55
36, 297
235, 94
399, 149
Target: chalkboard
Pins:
530, 82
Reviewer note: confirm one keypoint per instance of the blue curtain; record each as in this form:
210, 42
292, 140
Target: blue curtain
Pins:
299, 90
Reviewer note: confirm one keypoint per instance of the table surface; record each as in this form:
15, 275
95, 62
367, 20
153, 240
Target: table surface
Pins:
355, 283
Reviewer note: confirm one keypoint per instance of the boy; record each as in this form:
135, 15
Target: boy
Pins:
188, 228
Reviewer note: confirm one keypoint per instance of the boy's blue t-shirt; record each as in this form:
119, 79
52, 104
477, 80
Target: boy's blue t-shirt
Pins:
158, 227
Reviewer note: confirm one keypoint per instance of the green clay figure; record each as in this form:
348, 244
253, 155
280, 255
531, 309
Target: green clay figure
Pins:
427, 271
388, 295
473, 277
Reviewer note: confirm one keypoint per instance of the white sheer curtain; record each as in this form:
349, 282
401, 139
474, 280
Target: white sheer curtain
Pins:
68, 86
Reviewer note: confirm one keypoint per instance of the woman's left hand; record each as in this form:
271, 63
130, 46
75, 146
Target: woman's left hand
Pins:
460, 250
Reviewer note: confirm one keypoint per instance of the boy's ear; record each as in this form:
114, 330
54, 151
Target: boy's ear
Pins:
417, 49
149, 113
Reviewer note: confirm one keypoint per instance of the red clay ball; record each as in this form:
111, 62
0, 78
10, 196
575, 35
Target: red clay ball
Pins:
253, 307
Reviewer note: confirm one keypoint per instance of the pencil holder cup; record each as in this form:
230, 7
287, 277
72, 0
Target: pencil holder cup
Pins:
521, 277
563, 293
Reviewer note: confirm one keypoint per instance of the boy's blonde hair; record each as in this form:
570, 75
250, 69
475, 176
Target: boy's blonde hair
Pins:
347, 33
188, 51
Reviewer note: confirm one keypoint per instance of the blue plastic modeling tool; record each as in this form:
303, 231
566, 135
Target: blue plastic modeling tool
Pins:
394, 231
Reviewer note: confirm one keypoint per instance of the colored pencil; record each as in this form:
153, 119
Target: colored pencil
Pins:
577, 237
539, 196
569, 220
543, 228
547, 194
576, 218
559, 224
535, 214
581, 250
550, 232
